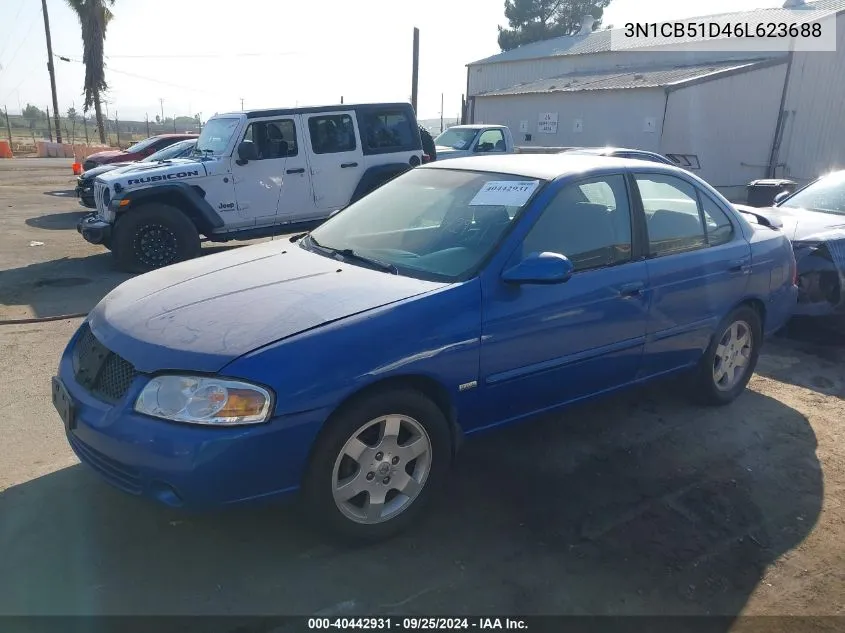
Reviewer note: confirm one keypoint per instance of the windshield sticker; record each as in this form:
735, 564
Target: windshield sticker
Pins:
505, 193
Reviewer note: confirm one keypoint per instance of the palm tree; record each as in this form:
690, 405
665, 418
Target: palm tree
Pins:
94, 16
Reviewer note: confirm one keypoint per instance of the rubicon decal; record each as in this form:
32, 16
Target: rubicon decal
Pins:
180, 174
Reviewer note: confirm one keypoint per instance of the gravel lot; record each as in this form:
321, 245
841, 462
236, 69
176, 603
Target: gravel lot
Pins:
641, 504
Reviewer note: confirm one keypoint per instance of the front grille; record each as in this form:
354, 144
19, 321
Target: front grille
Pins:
99, 370
100, 199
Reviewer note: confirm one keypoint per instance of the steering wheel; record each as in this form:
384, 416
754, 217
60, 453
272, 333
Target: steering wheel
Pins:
457, 226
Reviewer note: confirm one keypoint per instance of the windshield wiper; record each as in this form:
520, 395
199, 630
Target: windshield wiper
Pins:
297, 237
348, 253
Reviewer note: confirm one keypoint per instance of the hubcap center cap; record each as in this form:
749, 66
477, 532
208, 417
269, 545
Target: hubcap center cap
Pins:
384, 469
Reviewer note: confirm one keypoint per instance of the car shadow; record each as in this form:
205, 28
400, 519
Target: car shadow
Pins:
809, 353
58, 221
70, 285
61, 193
641, 504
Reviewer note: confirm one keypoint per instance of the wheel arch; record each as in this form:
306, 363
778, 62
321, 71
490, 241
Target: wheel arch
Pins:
425, 385
187, 198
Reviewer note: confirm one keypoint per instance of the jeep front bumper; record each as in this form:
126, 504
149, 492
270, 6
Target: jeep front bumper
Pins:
94, 230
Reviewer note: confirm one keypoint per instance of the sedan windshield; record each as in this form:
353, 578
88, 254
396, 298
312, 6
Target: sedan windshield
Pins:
826, 195
435, 224
173, 151
215, 136
456, 138
141, 145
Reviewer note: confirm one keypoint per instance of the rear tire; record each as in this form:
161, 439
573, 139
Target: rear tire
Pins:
730, 360
365, 483
153, 236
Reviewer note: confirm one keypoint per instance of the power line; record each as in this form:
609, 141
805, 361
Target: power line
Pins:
203, 56
17, 15
25, 38
151, 79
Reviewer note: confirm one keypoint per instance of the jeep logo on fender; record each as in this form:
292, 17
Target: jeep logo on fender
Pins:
181, 174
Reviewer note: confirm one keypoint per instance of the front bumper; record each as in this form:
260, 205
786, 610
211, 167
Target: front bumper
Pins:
94, 230
183, 465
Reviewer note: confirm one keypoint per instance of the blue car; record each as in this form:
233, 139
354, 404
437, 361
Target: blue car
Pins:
348, 363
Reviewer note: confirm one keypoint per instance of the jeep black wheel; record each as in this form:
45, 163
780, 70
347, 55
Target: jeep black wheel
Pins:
153, 236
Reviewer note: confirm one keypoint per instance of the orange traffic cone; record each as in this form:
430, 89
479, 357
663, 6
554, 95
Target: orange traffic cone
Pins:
77, 168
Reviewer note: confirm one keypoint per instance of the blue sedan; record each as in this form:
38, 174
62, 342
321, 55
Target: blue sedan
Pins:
348, 364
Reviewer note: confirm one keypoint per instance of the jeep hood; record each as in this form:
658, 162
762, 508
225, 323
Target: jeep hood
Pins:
204, 313
159, 171
798, 224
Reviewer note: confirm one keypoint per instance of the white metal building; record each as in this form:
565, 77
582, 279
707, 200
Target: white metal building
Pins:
733, 116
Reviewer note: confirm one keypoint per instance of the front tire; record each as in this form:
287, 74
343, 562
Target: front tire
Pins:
153, 236
730, 360
376, 465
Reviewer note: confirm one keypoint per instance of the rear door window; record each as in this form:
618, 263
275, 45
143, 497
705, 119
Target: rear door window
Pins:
385, 130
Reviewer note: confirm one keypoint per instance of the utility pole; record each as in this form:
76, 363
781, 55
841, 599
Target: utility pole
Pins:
415, 72
148, 124
85, 125
49, 129
242, 104
174, 123
51, 70
441, 113
117, 128
8, 126
341, 101
161, 101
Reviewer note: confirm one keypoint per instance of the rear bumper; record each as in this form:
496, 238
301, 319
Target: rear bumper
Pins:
94, 230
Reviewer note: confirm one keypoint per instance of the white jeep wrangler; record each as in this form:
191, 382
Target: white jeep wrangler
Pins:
252, 174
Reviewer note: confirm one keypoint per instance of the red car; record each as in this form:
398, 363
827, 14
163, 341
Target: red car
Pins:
139, 150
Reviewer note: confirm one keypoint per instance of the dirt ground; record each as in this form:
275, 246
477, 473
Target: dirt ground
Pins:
642, 504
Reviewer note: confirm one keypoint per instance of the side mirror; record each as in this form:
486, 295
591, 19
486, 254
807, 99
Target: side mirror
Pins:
540, 268
247, 152
783, 195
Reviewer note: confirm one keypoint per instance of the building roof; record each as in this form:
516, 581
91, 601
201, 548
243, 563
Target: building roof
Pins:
547, 166
631, 78
600, 41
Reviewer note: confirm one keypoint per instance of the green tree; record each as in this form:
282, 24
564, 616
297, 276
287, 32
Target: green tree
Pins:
32, 114
71, 116
94, 17
535, 20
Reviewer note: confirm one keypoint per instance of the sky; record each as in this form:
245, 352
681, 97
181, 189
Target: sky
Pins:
189, 57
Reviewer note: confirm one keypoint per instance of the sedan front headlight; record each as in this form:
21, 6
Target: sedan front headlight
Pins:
202, 400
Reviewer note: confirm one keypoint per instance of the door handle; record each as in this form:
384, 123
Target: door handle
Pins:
301, 170
634, 289
738, 266
345, 165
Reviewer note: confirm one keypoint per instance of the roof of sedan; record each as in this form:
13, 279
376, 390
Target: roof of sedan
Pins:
545, 166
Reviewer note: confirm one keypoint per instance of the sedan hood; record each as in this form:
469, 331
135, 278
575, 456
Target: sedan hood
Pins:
799, 224
106, 155
202, 314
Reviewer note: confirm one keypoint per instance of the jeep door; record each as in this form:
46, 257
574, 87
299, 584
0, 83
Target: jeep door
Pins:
336, 158
276, 181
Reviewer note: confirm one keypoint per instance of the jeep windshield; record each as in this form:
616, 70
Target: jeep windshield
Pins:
215, 136
433, 224
456, 138
826, 195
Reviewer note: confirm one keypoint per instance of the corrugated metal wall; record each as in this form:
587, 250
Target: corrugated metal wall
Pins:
611, 117
728, 123
489, 77
814, 129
